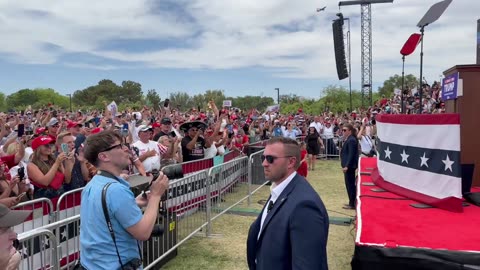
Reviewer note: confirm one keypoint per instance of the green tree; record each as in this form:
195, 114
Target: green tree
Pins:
3, 104
22, 98
216, 95
153, 99
49, 95
290, 98
181, 100
130, 92
251, 102
395, 81
38, 97
337, 99
200, 100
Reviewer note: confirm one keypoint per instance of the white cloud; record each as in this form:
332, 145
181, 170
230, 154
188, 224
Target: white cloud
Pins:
235, 34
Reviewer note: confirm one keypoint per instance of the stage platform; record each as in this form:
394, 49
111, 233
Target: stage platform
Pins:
391, 234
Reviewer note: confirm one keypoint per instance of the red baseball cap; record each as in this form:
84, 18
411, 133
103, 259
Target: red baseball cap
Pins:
96, 130
155, 125
42, 140
40, 130
71, 124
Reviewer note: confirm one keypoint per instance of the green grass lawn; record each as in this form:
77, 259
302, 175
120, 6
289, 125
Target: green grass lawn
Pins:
227, 250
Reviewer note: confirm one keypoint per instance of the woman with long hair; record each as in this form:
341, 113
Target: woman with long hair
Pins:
314, 143
46, 172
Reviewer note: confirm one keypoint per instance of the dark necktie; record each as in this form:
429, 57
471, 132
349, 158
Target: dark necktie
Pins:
270, 206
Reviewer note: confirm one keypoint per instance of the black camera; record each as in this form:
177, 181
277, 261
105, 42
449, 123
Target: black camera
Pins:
174, 171
157, 231
21, 173
132, 264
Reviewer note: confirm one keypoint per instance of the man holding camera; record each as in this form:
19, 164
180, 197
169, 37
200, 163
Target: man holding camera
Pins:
107, 197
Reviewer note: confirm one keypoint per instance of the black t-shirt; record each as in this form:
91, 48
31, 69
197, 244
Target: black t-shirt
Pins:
197, 152
161, 133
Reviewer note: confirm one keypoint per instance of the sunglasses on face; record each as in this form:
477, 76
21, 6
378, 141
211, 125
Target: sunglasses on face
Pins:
345, 129
120, 145
271, 159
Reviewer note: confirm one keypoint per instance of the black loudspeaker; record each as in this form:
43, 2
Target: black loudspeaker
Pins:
339, 45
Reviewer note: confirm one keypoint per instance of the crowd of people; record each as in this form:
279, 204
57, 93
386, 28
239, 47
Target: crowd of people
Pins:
41, 151
431, 101
45, 152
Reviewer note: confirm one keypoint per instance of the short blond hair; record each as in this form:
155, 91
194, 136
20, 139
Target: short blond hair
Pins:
63, 135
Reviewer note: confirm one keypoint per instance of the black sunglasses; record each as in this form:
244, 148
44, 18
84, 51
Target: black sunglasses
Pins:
345, 129
270, 159
120, 145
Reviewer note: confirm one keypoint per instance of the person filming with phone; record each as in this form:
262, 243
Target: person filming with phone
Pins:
46, 172
107, 199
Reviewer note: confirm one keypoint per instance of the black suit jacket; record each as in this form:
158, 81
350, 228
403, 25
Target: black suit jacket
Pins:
294, 233
349, 155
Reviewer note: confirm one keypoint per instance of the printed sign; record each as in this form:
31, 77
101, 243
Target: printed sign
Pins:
112, 107
449, 87
227, 103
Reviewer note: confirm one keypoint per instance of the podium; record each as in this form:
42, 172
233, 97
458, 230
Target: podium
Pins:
467, 104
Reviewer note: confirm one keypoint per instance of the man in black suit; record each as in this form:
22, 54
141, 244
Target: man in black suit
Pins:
292, 230
349, 162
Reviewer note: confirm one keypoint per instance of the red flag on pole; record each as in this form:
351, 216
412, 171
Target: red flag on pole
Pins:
411, 44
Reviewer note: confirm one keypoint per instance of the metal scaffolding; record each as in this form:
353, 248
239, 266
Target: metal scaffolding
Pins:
366, 43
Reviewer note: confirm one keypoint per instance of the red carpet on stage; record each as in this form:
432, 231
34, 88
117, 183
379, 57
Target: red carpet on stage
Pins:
390, 221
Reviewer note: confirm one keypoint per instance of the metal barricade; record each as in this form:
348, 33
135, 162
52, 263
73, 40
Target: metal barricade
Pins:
183, 217
231, 155
42, 214
68, 205
195, 165
67, 234
227, 186
190, 205
332, 147
256, 175
38, 250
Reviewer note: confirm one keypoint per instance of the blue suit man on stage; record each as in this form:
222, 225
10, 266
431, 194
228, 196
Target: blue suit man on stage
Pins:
349, 162
292, 230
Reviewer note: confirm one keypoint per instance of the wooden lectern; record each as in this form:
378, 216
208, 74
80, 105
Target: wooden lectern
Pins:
468, 106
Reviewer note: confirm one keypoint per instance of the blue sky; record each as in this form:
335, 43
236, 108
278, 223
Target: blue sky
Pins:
244, 47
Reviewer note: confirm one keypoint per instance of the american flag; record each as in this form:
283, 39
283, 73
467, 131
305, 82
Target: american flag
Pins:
419, 158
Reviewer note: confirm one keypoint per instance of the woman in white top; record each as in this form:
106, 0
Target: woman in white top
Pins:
366, 142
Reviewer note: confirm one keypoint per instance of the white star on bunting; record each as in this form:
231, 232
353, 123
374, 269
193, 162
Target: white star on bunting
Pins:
424, 160
388, 152
448, 163
404, 156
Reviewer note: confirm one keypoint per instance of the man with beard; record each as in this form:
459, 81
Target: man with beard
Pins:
292, 230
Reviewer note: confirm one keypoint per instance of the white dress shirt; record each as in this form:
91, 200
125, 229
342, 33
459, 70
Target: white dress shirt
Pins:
275, 193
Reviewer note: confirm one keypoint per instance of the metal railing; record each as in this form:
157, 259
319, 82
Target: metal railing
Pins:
42, 214
38, 250
190, 206
68, 204
67, 235
256, 175
227, 186
332, 147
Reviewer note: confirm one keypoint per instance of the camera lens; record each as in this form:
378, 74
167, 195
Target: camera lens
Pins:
157, 231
